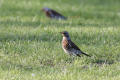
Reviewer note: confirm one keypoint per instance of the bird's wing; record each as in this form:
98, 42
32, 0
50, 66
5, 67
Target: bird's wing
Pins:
58, 14
77, 48
73, 45
50, 14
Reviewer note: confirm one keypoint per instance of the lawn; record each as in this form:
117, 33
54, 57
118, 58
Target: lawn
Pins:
30, 43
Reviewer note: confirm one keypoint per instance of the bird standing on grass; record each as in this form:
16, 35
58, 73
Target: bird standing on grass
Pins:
53, 14
69, 47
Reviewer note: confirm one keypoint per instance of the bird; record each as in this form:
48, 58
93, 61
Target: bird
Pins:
53, 14
69, 47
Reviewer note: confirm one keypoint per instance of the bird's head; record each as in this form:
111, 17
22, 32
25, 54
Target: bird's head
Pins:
45, 9
65, 34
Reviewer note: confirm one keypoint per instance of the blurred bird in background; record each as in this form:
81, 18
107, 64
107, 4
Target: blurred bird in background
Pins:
53, 14
69, 47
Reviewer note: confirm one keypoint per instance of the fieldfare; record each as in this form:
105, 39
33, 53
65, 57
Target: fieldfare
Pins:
53, 14
69, 47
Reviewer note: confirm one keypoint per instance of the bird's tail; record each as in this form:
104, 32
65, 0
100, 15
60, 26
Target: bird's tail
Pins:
86, 54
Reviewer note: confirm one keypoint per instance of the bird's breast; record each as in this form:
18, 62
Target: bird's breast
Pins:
65, 43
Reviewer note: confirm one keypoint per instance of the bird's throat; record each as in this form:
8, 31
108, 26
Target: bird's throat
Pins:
66, 38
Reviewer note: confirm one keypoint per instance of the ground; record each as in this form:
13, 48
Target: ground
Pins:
30, 43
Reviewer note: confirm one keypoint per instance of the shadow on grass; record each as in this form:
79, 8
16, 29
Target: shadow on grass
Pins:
49, 63
103, 61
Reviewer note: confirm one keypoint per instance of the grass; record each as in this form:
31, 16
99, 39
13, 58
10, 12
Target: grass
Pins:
30, 45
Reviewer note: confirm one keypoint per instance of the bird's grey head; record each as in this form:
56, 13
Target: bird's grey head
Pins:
45, 9
65, 34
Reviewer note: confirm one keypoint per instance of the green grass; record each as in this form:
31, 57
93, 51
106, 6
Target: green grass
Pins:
30, 43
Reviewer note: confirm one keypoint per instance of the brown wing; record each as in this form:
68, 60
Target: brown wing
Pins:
72, 45
58, 14
77, 48
49, 14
